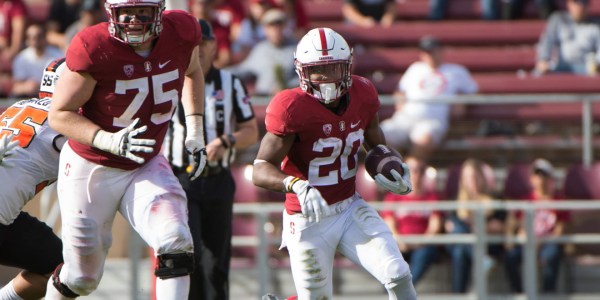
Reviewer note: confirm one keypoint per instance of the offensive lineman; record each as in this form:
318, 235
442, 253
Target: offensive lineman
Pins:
29, 151
314, 134
114, 102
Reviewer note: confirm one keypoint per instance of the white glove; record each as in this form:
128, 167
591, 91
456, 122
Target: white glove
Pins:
122, 143
401, 185
194, 144
6, 144
314, 207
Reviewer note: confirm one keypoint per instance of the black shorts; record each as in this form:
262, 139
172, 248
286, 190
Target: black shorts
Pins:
30, 244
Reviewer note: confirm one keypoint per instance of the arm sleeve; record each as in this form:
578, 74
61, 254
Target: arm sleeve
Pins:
549, 37
241, 102
469, 85
405, 79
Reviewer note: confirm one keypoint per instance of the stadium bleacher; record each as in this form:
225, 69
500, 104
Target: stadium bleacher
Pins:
500, 54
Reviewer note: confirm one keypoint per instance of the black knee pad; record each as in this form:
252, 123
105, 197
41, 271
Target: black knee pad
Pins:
170, 265
61, 287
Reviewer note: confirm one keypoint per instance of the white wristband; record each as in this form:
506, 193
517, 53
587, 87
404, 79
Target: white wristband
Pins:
195, 127
288, 184
103, 141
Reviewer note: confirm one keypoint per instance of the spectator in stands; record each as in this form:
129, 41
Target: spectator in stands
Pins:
426, 222
417, 120
368, 13
92, 12
251, 29
63, 13
547, 222
297, 18
513, 9
474, 185
225, 17
13, 19
570, 42
269, 61
29, 64
490, 9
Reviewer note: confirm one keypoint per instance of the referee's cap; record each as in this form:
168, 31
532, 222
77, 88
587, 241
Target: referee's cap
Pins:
207, 32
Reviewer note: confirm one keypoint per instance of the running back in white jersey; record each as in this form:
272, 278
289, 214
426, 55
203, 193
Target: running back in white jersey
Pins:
34, 164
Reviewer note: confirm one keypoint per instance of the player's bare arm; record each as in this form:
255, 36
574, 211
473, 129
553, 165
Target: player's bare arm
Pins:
373, 134
245, 136
192, 97
192, 100
273, 149
73, 90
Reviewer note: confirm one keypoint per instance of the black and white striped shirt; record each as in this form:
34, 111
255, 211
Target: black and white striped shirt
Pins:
226, 103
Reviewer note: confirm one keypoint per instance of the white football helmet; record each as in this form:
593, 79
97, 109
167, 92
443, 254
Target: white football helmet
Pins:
323, 62
50, 77
118, 28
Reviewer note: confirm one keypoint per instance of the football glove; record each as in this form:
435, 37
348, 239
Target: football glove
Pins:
6, 144
401, 185
313, 206
123, 143
194, 144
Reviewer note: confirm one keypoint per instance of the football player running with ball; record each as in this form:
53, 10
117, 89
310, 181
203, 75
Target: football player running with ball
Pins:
314, 134
29, 151
114, 102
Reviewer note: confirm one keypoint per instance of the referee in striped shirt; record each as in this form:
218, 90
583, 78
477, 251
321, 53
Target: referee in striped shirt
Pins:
229, 125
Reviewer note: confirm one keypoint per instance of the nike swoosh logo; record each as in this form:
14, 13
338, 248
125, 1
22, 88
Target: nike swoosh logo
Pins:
352, 125
162, 65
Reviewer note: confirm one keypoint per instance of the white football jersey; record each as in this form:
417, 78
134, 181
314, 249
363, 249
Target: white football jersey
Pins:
27, 169
421, 83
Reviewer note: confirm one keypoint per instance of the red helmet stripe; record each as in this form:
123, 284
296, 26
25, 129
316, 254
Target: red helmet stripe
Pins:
323, 41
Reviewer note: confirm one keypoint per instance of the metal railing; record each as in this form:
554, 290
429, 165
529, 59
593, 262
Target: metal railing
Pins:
586, 101
479, 239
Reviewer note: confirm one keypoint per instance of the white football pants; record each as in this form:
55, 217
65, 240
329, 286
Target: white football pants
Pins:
357, 230
150, 198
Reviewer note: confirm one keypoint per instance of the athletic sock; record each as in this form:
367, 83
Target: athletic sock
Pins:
8, 292
173, 288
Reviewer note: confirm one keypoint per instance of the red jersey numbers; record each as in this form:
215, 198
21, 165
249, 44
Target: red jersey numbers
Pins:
343, 150
23, 122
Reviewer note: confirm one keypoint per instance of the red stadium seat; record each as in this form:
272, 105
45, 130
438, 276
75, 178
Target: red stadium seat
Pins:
582, 183
330, 10
475, 59
245, 190
451, 33
516, 185
453, 180
366, 186
244, 226
506, 83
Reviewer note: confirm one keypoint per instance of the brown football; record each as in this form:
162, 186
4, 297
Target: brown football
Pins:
382, 159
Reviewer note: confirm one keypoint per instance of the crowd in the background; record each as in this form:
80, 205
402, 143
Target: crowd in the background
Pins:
256, 40
254, 36
475, 181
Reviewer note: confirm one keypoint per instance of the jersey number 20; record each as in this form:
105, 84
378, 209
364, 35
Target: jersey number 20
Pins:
347, 157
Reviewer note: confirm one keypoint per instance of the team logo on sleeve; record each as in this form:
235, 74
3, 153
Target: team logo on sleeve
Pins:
128, 69
327, 129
